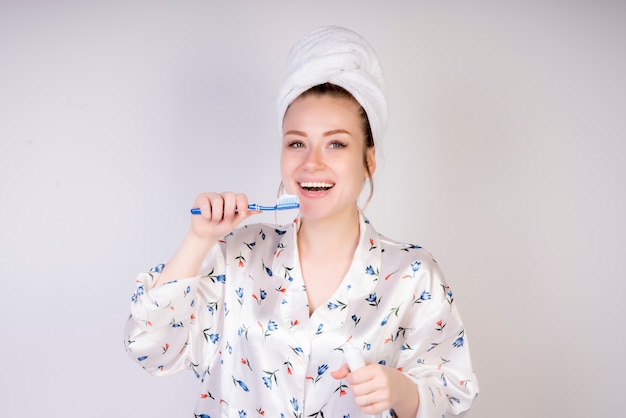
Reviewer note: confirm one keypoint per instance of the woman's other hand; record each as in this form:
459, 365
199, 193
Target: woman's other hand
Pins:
377, 388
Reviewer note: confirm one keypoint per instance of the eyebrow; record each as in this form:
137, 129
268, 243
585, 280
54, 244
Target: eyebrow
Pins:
328, 133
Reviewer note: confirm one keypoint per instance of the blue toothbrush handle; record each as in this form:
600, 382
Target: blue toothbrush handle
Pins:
251, 206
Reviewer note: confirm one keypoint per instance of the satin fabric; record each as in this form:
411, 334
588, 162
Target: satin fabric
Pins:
243, 327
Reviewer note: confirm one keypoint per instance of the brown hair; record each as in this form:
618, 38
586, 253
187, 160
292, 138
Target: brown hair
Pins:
334, 90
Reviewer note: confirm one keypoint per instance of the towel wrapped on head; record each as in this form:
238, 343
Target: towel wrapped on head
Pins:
339, 56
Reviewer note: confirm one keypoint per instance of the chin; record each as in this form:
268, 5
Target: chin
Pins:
322, 211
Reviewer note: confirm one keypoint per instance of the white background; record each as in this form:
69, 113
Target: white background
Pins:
504, 157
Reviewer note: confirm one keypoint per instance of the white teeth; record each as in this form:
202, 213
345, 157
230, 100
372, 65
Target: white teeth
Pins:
316, 184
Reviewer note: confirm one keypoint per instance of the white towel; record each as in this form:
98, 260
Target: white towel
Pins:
337, 55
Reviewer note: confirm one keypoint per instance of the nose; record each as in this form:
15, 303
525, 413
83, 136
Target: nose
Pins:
314, 158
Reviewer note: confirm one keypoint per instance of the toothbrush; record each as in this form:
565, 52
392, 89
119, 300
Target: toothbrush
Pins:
285, 201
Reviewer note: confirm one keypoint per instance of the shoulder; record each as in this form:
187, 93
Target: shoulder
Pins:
397, 256
413, 268
403, 251
409, 260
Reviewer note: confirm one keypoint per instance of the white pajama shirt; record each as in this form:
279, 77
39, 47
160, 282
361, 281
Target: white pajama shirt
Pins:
243, 327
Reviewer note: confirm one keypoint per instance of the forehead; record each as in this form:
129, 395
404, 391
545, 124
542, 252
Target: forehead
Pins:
322, 108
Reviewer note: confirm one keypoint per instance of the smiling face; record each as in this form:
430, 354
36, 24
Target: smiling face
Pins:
324, 159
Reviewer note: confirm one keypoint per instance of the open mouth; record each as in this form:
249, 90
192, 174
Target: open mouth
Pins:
316, 186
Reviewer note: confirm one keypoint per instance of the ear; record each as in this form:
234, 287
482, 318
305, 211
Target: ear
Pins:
370, 159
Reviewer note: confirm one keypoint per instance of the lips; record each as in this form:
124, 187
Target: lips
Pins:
316, 186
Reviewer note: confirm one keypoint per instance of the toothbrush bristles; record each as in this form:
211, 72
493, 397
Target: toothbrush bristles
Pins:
287, 201
287, 198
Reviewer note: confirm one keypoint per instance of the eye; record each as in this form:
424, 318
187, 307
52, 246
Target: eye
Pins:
338, 144
295, 143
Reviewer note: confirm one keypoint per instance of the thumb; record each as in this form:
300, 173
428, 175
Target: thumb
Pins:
240, 216
341, 372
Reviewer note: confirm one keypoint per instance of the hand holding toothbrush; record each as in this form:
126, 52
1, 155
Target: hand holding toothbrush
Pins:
218, 214
229, 209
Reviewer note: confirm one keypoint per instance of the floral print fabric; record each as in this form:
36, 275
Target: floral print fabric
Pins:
243, 327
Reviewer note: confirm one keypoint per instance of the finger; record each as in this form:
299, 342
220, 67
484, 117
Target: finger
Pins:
241, 202
360, 376
375, 408
230, 205
361, 382
370, 401
341, 372
371, 397
217, 207
203, 203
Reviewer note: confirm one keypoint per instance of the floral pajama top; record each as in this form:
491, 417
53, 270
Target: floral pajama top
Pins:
243, 327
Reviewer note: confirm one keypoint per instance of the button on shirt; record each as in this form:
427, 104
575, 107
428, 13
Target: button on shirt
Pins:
243, 327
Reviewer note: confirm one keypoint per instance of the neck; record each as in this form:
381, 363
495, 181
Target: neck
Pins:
330, 237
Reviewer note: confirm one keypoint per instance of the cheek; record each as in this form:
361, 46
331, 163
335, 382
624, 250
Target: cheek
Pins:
359, 168
284, 161
353, 174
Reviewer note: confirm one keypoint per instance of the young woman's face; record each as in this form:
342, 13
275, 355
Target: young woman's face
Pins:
322, 159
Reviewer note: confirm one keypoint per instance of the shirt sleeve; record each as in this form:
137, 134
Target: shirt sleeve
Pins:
436, 354
173, 327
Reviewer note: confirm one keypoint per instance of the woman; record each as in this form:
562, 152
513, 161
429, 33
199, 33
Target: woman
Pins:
264, 314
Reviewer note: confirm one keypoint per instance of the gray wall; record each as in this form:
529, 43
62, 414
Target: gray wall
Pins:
504, 157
